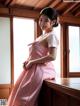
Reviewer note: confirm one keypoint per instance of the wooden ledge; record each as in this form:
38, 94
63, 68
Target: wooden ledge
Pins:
69, 86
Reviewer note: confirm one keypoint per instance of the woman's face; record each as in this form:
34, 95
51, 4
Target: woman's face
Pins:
45, 23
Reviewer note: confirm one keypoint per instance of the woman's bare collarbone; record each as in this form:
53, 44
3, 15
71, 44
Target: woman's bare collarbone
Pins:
43, 40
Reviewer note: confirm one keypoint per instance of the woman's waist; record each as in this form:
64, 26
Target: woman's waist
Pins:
36, 54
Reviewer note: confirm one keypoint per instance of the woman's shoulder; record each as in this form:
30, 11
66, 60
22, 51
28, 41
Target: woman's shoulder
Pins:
52, 34
46, 36
52, 39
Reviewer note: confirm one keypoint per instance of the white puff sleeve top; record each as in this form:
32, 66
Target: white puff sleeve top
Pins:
52, 40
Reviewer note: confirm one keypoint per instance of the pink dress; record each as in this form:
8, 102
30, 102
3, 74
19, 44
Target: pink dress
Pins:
27, 87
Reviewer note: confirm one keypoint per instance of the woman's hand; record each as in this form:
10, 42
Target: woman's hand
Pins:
24, 64
27, 65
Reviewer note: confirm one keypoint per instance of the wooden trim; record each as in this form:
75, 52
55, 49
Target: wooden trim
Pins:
67, 50
5, 90
38, 31
61, 5
70, 20
19, 12
4, 10
77, 14
12, 51
73, 74
74, 11
65, 85
54, 3
70, 8
60, 92
24, 13
64, 43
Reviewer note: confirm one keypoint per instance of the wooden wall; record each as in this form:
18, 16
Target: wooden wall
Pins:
5, 90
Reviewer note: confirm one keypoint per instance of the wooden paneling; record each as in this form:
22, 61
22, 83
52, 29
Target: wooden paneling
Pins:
4, 10
70, 8
70, 20
55, 3
24, 13
63, 7
21, 12
69, 86
29, 3
62, 92
5, 90
42, 4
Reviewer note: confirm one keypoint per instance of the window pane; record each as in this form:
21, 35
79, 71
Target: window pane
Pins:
74, 47
57, 61
5, 60
23, 35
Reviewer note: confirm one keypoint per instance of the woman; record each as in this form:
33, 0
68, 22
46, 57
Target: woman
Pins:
38, 66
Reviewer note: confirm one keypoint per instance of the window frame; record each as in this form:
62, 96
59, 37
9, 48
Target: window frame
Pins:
71, 74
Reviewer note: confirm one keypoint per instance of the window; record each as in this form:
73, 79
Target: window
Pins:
74, 49
23, 35
57, 61
5, 56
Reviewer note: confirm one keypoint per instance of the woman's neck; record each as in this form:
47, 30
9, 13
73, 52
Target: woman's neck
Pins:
47, 31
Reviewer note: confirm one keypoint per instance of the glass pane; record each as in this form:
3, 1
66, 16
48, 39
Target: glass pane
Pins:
5, 63
23, 35
74, 47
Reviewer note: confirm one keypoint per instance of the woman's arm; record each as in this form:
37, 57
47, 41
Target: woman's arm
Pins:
49, 57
